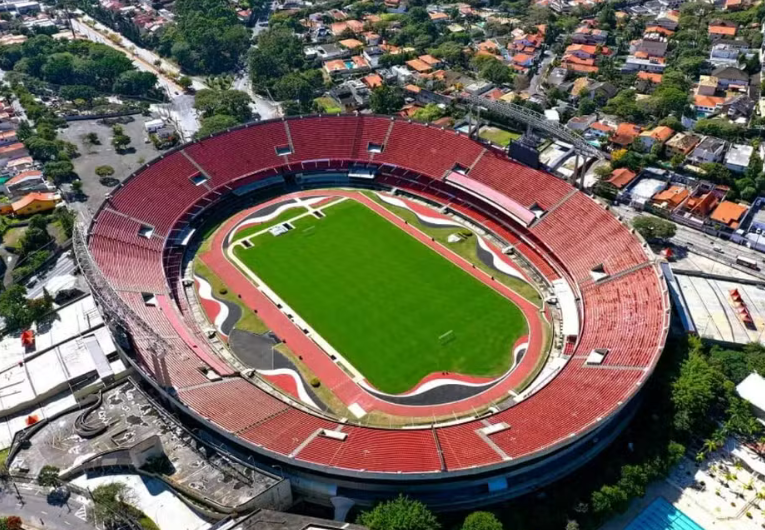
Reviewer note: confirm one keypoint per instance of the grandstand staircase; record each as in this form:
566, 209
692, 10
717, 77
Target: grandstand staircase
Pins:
355, 147
387, 135
477, 159
199, 168
289, 138
555, 207
625, 272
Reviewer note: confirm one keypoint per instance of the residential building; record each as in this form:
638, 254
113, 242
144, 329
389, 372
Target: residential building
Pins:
25, 182
599, 130
646, 81
727, 53
602, 91
738, 107
707, 104
670, 198
620, 178
14, 150
722, 29
707, 85
626, 133
589, 35
738, 156
373, 54
682, 144
668, 19
645, 64
35, 202
581, 123
652, 44
728, 215
730, 76
709, 150
656, 136
329, 52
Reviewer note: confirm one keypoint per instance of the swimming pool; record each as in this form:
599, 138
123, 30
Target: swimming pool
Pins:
661, 515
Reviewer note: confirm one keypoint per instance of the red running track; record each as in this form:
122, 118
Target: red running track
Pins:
331, 375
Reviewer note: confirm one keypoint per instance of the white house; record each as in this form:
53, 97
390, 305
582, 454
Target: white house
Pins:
738, 156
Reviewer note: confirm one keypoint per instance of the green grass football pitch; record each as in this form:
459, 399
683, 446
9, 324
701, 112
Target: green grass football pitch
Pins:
393, 307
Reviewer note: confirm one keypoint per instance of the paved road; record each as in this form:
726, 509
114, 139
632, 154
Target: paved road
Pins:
703, 244
535, 86
266, 108
180, 109
65, 264
38, 514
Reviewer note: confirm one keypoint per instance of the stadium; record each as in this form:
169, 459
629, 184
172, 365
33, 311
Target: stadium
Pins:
431, 317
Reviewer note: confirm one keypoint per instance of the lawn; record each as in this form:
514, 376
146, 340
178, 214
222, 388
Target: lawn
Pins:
393, 307
498, 136
286, 215
328, 105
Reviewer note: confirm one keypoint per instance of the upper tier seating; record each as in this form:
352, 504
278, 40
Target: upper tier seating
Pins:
160, 193
427, 149
522, 184
337, 137
624, 315
583, 235
230, 156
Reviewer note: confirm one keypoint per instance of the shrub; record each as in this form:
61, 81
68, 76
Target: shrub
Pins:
315, 382
223, 291
104, 171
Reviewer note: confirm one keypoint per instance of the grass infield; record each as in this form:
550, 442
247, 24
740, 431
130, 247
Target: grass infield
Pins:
393, 307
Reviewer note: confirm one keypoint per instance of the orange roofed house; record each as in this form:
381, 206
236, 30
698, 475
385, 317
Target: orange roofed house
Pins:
671, 198
625, 134
621, 177
35, 202
728, 215
722, 29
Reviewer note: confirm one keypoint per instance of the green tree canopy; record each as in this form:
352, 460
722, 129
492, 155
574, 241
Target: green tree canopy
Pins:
233, 103
216, 123
208, 38
654, 228
386, 99
401, 513
48, 477
481, 521
278, 53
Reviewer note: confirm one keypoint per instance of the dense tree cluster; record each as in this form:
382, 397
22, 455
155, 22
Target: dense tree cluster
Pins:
207, 38
86, 67
654, 228
221, 109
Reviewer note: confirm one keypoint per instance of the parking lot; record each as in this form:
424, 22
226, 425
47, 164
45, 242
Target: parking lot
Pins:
92, 156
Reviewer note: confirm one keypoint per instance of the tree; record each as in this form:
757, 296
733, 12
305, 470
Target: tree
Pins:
208, 38
695, 391
185, 82
386, 99
430, 112
230, 102
120, 140
572, 525
13, 307
59, 171
493, 70
48, 477
481, 521
92, 139
216, 123
77, 187
401, 513
278, 53
134, 83
111, 504
654, 228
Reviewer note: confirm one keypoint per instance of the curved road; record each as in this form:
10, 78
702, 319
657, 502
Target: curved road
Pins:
37, 513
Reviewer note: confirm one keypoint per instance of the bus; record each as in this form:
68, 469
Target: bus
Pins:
747, 262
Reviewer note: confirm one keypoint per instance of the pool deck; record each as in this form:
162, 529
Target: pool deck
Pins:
683, 502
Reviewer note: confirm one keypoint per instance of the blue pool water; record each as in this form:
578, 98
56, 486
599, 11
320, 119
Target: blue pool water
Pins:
661, 515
